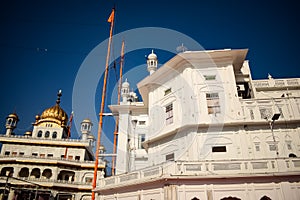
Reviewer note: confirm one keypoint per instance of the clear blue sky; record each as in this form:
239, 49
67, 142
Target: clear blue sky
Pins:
43, 43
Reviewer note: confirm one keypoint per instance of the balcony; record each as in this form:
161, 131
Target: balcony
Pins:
50, 160
43, 141
259, 110
48, 182
266, 84
206, 169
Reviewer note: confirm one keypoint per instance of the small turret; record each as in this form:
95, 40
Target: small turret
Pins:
86, 128
152, 63
125, 91
11, 123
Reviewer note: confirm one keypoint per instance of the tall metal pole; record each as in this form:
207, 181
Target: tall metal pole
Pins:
117, 117
111, 19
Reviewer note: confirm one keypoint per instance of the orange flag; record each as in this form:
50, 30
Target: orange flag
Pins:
111, 17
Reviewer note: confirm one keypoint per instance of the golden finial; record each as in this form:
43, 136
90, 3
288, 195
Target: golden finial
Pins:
59, 94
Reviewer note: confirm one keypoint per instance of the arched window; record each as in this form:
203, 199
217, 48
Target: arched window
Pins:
291, 155
7, 171
47, 134
9, 121
47, 173
35, 173
265, 198
65, 175
54, 134
40, 133
24, 172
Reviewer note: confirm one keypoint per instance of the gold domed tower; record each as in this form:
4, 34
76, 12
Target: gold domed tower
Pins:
53, 117
54, 114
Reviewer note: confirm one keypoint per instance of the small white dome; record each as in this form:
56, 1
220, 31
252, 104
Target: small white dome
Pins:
125, 84
152, 56
86, 120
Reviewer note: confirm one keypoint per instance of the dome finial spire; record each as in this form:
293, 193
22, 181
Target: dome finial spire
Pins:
59, 94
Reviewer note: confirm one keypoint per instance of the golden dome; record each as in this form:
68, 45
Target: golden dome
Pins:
55, 112
14, 116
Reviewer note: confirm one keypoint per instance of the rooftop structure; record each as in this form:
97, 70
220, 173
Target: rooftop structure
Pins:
46, 163
206, 130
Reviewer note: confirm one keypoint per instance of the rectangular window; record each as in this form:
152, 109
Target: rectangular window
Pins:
219, 149
21, 153
34, 154
142, 122
170, 157
14, 153
257, 147
50, 155
273, 147
168, 91
77, 157
142, 138
210, 77
70, 157
88, 180
265, 113
42, 155
169, 114
7, 153
213, 104
289, 145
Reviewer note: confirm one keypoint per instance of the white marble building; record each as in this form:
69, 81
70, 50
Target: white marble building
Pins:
45, 163
206, 130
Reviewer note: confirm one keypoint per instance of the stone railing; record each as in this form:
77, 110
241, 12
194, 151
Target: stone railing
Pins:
44, 181
148, 173
205, 169
65, 160
266, 83
45, 139
261, 109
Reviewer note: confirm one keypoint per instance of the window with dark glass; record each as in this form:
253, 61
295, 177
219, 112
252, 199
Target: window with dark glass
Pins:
170, 157
168, 91
141, 139
47, 134
210, 77
54, 134
219, 149
40, 133
169, 114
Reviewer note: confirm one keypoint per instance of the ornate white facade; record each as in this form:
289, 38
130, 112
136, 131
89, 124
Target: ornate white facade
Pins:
45, 163
206, 130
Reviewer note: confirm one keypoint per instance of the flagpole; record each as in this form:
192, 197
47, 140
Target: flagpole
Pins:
100, 125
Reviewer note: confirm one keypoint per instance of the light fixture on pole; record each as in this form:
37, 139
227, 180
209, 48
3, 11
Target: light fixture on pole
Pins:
271, 123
